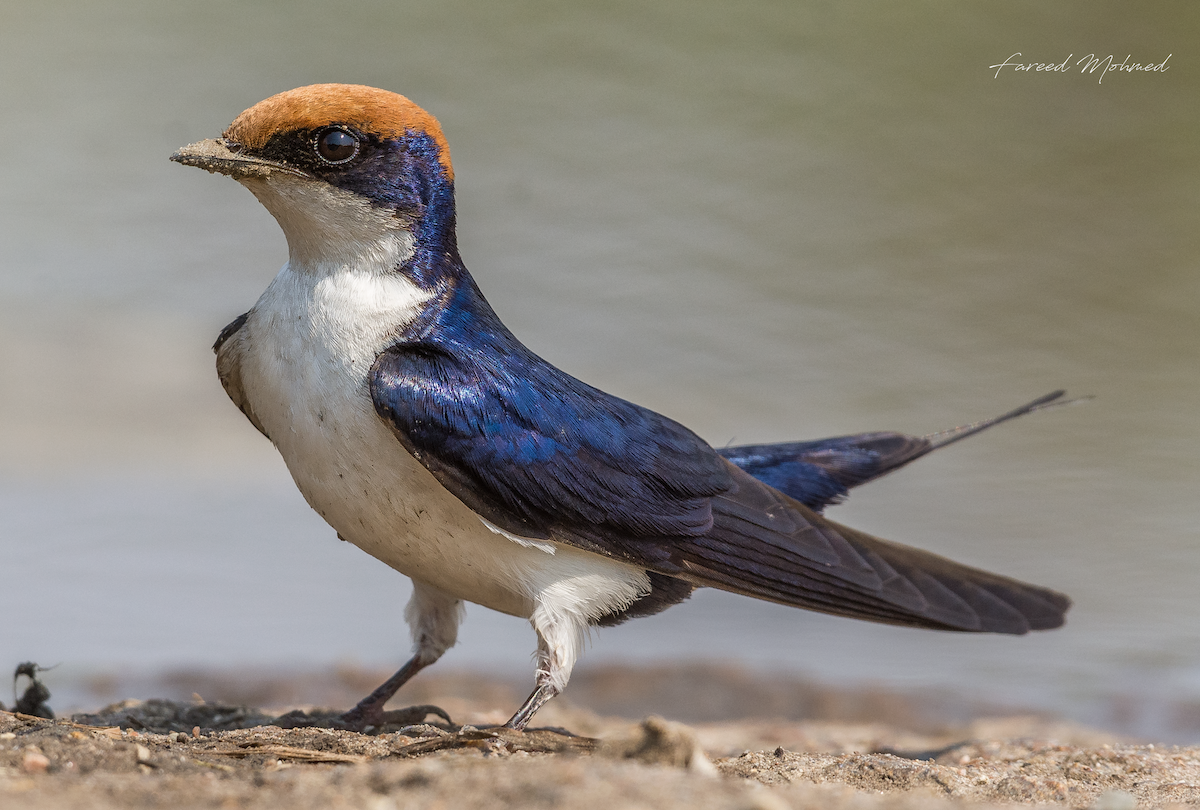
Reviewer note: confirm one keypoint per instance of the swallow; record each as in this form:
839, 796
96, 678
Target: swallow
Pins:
425, 433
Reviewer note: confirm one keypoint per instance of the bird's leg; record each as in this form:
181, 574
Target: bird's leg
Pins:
369, 711
536, 700
561, 629
433, 616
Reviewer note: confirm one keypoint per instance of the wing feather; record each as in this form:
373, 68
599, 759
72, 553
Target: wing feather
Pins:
228, 349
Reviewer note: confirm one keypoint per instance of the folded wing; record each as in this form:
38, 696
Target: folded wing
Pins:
541, 454
766, 545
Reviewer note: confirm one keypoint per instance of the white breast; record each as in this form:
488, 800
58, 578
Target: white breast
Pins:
306, 354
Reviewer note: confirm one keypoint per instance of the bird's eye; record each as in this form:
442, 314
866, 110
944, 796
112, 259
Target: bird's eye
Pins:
336, 145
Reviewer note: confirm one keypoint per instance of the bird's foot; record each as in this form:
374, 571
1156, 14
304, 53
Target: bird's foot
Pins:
373, 717
362, 721
501, 740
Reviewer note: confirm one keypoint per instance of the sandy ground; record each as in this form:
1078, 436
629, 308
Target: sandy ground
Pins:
192, 753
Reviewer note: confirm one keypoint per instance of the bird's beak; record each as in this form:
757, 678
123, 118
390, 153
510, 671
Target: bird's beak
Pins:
215, 155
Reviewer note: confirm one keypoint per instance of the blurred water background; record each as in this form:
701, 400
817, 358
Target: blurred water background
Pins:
768, 220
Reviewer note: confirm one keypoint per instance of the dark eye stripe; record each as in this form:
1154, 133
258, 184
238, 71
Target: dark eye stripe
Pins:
335, 145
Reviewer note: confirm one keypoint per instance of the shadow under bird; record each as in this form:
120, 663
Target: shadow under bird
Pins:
426, 434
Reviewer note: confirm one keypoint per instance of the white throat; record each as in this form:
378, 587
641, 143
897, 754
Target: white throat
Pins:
328, 228
338, 302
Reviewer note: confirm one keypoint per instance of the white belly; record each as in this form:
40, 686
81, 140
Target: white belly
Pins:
308, 348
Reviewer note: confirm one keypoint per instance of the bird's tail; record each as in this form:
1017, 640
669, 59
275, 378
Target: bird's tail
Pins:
1052, 400
820, 473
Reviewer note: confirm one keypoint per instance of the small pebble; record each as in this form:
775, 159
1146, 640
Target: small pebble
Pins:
34, 761
765, 800
181, 737
1115, 800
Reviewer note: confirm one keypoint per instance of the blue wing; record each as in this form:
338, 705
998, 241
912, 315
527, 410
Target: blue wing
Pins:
541, 454
535, 450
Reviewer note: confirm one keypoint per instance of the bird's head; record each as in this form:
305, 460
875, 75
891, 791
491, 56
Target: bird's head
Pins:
348, 172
